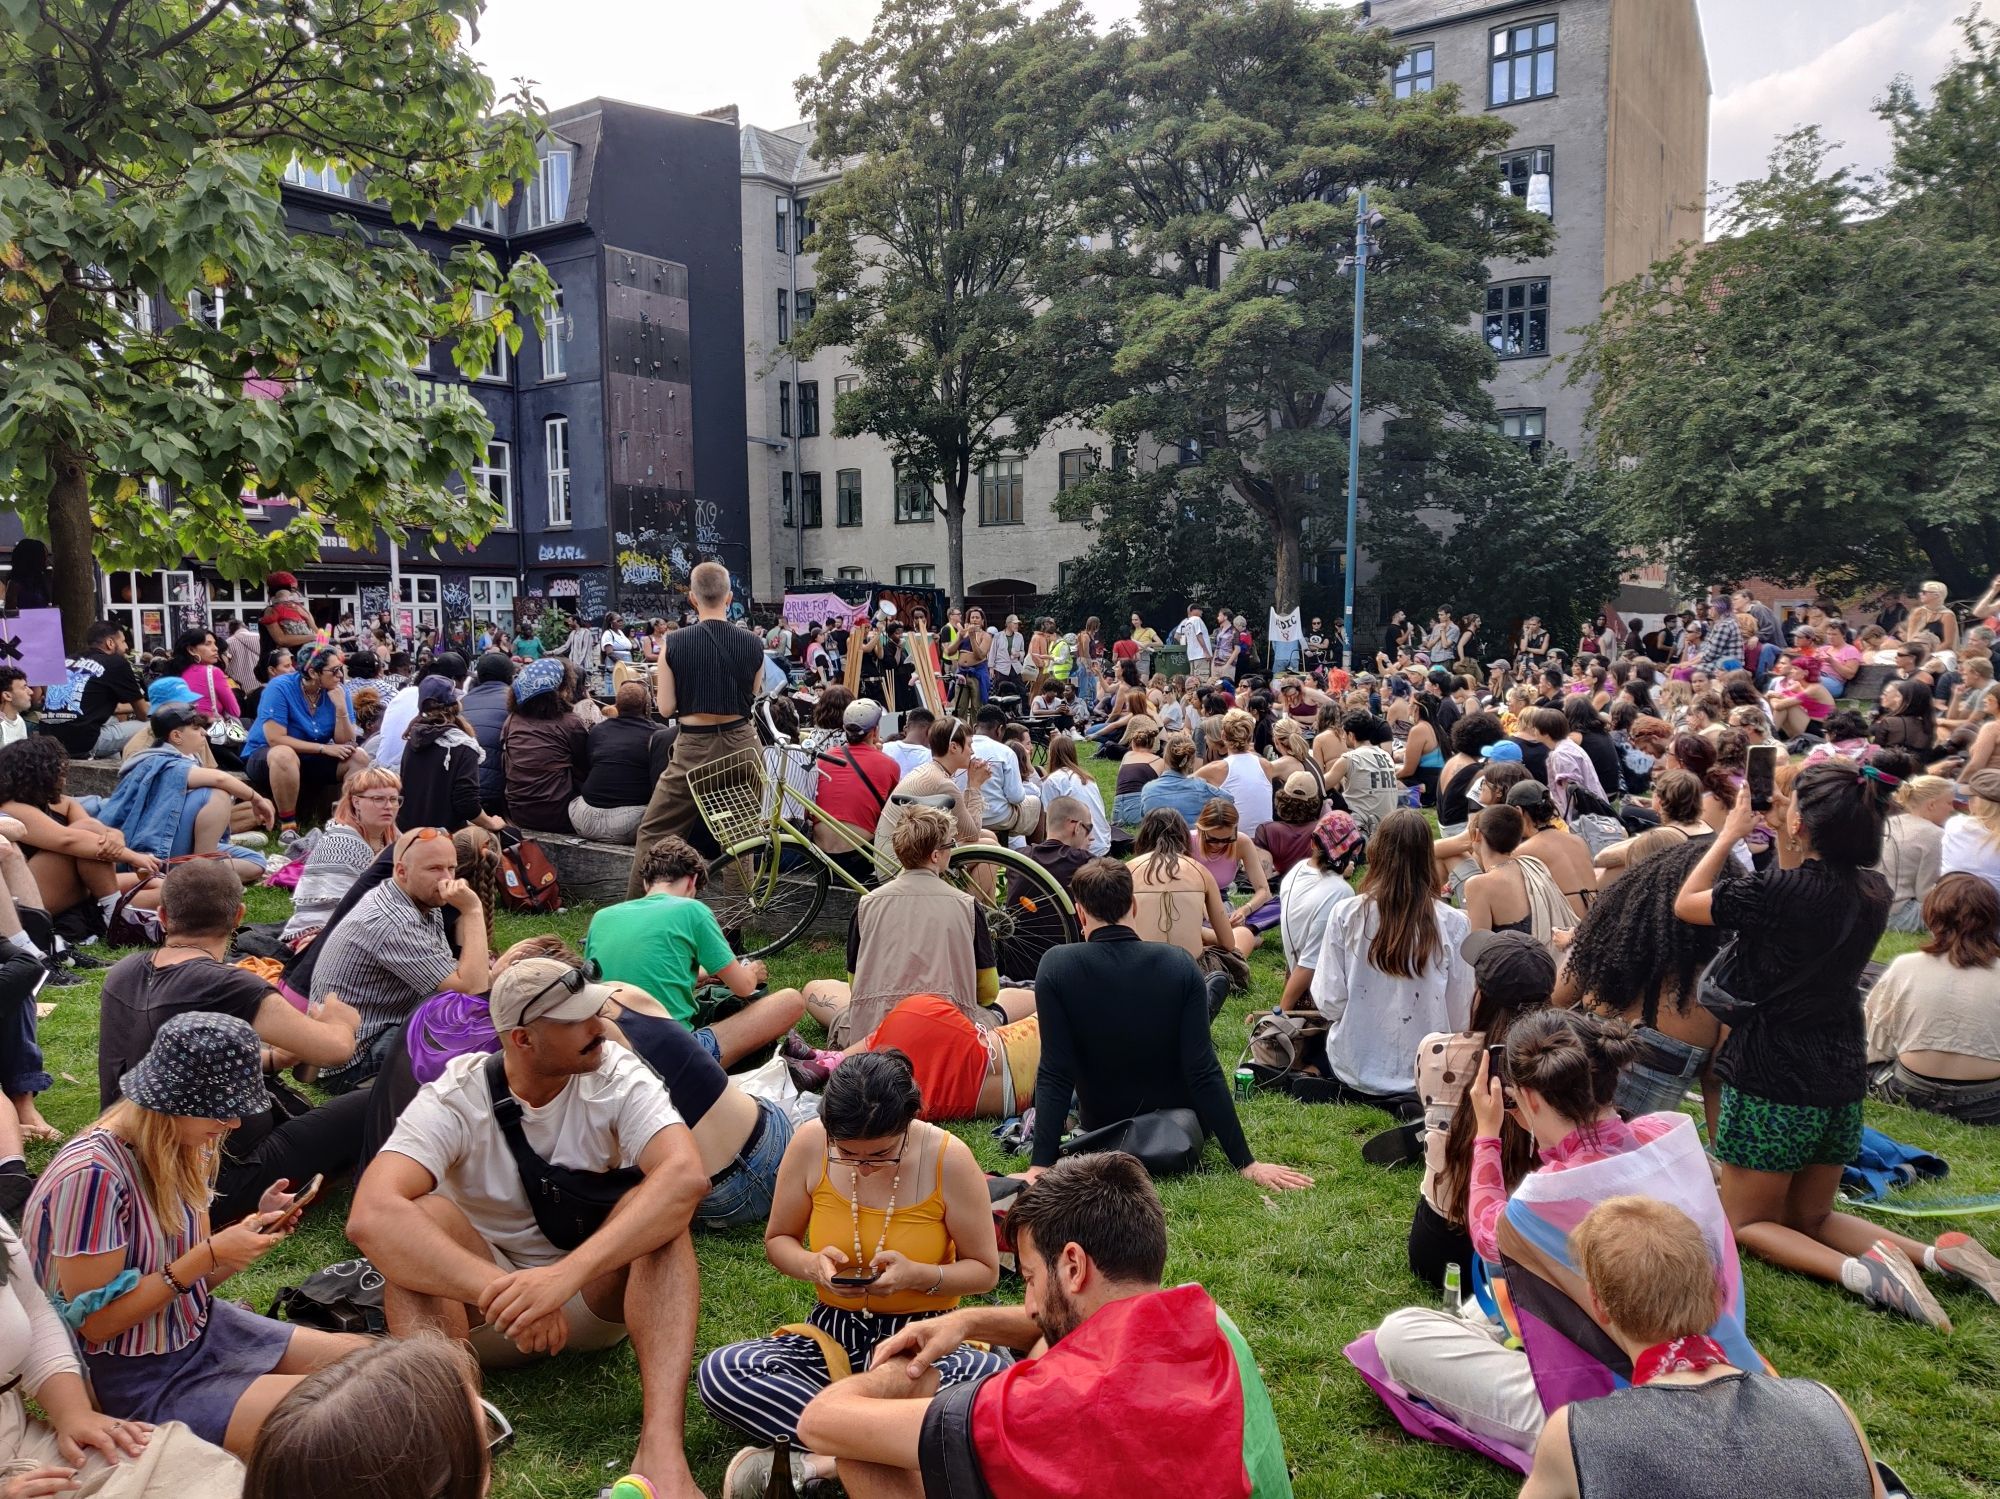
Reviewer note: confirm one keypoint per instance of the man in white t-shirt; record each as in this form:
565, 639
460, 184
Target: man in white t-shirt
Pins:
914, 748
445, 1217
15, 699
1192, 633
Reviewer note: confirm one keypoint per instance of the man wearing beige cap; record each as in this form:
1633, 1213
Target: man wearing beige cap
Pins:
540, 1199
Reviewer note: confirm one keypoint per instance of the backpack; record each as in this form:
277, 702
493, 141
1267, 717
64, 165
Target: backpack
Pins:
527, 875
344, 1297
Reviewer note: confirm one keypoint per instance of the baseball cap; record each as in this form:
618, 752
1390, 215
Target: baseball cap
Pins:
434, 690
545, 989
1497, 663
863, 714
1985, 785
1506, 749
1512, 967
1301, 783
174, 716
163, 691
1531, 794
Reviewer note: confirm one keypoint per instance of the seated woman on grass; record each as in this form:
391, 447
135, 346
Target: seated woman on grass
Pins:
74, 858
1934, 1015
888, 1219
1178, 899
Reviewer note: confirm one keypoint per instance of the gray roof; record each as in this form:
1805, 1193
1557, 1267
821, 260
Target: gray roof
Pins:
782, 154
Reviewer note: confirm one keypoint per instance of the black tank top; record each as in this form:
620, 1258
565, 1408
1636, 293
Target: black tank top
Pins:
715, 667
1451, 797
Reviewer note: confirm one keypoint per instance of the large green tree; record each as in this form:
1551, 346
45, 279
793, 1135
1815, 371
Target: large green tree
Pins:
1489, 530
954, 122
141, 148
1814, 396
1222, 152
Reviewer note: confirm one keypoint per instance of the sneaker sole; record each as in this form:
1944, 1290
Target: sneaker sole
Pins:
1911, 1281
1972, 1261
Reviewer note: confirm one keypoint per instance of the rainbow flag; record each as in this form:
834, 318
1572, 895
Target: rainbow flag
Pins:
1154, 1395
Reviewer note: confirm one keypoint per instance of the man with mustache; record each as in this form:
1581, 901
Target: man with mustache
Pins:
1112, 1361
540, 1199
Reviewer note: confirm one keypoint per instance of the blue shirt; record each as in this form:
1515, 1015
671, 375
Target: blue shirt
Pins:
284, 702
1186, 795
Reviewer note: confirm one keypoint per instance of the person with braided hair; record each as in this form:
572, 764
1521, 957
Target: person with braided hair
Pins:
1794, 1066
1633, 959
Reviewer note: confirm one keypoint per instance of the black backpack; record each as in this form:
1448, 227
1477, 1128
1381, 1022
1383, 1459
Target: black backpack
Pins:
346, 1297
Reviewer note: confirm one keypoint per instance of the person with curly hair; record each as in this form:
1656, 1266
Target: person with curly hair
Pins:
1631, 958
73, 857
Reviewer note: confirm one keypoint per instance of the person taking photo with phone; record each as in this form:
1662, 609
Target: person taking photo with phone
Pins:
889, 1220
120, 1232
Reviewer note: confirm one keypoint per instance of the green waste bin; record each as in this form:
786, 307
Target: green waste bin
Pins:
1170, 660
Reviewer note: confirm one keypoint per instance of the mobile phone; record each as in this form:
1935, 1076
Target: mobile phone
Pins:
308, 1192
855, 1282
1496, 1061
1762, 775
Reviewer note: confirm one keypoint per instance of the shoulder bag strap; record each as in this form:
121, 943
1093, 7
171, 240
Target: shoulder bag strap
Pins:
881, 799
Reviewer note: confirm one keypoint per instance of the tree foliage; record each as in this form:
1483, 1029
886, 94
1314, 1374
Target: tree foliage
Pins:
1222, 151
1487, 529
955, 121
1814, 396
141, 155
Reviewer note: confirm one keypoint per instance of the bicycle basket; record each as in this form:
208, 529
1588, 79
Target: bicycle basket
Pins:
729, 794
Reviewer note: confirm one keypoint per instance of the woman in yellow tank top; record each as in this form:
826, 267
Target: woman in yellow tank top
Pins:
889, 1219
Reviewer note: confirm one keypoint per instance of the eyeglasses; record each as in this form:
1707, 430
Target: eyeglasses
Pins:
570, 981
842, 1158
384, 799
499, 1430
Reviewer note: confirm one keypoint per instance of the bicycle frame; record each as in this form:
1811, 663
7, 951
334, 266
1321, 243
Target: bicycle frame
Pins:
782, 830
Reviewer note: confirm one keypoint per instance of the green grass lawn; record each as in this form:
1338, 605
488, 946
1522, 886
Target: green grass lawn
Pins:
1303, 1273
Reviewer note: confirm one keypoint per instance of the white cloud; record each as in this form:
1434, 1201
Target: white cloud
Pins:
1835, 89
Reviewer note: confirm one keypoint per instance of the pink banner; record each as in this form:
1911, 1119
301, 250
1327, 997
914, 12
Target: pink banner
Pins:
32, 640
802, 610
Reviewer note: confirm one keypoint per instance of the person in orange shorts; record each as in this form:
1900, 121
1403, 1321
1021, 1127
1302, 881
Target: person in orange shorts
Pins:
965, 1070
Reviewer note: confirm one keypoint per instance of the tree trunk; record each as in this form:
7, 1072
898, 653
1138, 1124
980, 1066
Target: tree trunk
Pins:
1287, 540
1947, 566
954, 542
72, 580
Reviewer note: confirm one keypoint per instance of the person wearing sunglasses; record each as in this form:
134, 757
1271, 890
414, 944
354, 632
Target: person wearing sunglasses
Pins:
888, 1219
540, 1199
304, 736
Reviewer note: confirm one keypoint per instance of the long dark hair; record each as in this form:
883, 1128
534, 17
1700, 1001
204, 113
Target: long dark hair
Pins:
1493, 1019
1573, 1058
1402, 882
879, 1097
1162, 841
1918, 703
184, 644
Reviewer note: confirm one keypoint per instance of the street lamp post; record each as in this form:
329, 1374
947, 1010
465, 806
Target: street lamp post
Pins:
1363, 222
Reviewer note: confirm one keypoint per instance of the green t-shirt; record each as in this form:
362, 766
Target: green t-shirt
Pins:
528, 648
659, 942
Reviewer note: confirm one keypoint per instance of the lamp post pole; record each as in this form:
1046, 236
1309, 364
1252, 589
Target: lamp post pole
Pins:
1361, 248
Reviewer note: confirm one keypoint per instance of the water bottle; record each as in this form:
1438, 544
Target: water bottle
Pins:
1453, 1294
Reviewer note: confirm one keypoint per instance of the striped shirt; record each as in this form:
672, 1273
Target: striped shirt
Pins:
330, 871
92, 1200
385, 957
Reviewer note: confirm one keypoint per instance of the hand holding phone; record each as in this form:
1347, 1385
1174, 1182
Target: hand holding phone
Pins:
854, 1281
1496, 1068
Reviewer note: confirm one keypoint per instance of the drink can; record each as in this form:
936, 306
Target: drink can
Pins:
1246, 1082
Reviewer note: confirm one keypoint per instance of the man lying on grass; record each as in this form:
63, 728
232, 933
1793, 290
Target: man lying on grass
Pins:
1110, 1358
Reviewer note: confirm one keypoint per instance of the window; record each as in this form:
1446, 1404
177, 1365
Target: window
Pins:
784, 318
1518, 171
847, 497
555, 440
842, 384
548, 194
1073, 467
1524, 63
1529, 429
914, 504
1517, 319
555, 341
808, 406
851, 574
1121, 458
815, 575
791, 576
492, 602
784, 408
785, 499
1188, 452
806, 303
1000, 492
915, 575
496, 477
809, 514
418, 603
784, 236
803, 219
482, 216
326, 179
496, 362
1416, 73
206, 307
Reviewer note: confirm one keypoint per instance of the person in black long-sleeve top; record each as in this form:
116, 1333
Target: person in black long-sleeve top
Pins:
441, 766
1125, 1027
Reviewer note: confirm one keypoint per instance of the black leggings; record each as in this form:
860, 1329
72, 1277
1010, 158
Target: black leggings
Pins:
326, 1139
1434, 1244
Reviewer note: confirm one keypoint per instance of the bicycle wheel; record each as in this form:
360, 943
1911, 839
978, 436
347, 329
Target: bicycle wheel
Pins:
1027, 912
762, 905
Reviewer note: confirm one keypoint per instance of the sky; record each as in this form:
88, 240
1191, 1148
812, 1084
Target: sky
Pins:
1773, 64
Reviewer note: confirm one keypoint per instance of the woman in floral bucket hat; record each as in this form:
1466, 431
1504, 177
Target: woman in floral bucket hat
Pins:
119, 1232
1309, 890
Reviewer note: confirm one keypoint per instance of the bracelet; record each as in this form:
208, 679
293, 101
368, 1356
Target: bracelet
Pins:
213, 1263
167, 1275
938, 1284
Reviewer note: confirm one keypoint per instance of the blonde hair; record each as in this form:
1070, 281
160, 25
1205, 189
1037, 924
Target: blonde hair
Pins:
1918, 790
1649, 1266
1934, 587
1291, 737
1986, 813
1239, 731
374, 778
174, 1177
1179, 752
919, 836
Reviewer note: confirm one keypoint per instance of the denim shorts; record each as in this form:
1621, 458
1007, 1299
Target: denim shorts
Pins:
743, 1195
705, 1039
1653, 1086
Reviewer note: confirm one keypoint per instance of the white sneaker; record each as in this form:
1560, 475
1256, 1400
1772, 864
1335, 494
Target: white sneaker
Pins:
250, 840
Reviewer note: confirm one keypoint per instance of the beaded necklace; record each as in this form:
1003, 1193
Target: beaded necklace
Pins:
888, 1216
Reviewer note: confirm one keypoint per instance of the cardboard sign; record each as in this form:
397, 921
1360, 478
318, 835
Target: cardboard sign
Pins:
33, 641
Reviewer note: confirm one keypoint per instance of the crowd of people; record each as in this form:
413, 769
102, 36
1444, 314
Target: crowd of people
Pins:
1528, 910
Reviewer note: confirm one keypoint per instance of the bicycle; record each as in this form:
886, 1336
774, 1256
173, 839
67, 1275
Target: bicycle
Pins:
771, 878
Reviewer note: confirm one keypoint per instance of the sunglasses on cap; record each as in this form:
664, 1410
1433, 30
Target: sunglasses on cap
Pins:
570, 981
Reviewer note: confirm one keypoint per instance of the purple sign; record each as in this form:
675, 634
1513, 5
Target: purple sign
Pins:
33, 641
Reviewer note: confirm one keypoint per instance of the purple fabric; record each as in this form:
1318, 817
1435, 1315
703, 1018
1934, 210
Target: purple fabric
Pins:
199, 1384
448, 1025
1424, 1422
